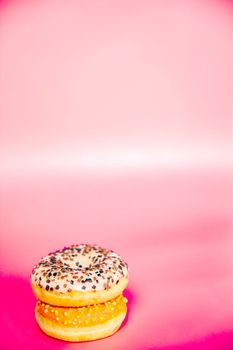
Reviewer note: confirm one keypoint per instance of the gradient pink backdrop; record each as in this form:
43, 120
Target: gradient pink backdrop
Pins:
116, 129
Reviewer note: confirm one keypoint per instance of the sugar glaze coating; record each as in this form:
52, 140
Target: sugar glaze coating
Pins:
79, 268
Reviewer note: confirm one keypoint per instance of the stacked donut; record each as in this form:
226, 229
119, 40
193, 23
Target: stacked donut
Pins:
79, 291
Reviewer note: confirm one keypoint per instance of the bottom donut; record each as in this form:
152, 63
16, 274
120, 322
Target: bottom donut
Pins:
81, 323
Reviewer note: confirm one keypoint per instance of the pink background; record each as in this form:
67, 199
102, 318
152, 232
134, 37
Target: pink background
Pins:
115, 129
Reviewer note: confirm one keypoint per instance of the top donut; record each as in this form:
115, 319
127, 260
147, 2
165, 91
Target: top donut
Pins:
82, 268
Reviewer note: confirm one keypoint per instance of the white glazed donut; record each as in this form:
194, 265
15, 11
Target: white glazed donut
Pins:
79, 275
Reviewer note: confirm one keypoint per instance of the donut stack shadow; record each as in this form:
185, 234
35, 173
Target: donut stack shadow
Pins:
80, 304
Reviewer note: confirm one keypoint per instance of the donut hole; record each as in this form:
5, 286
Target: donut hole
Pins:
83, 262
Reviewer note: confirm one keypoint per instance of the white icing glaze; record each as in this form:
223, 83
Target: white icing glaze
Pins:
79, 268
